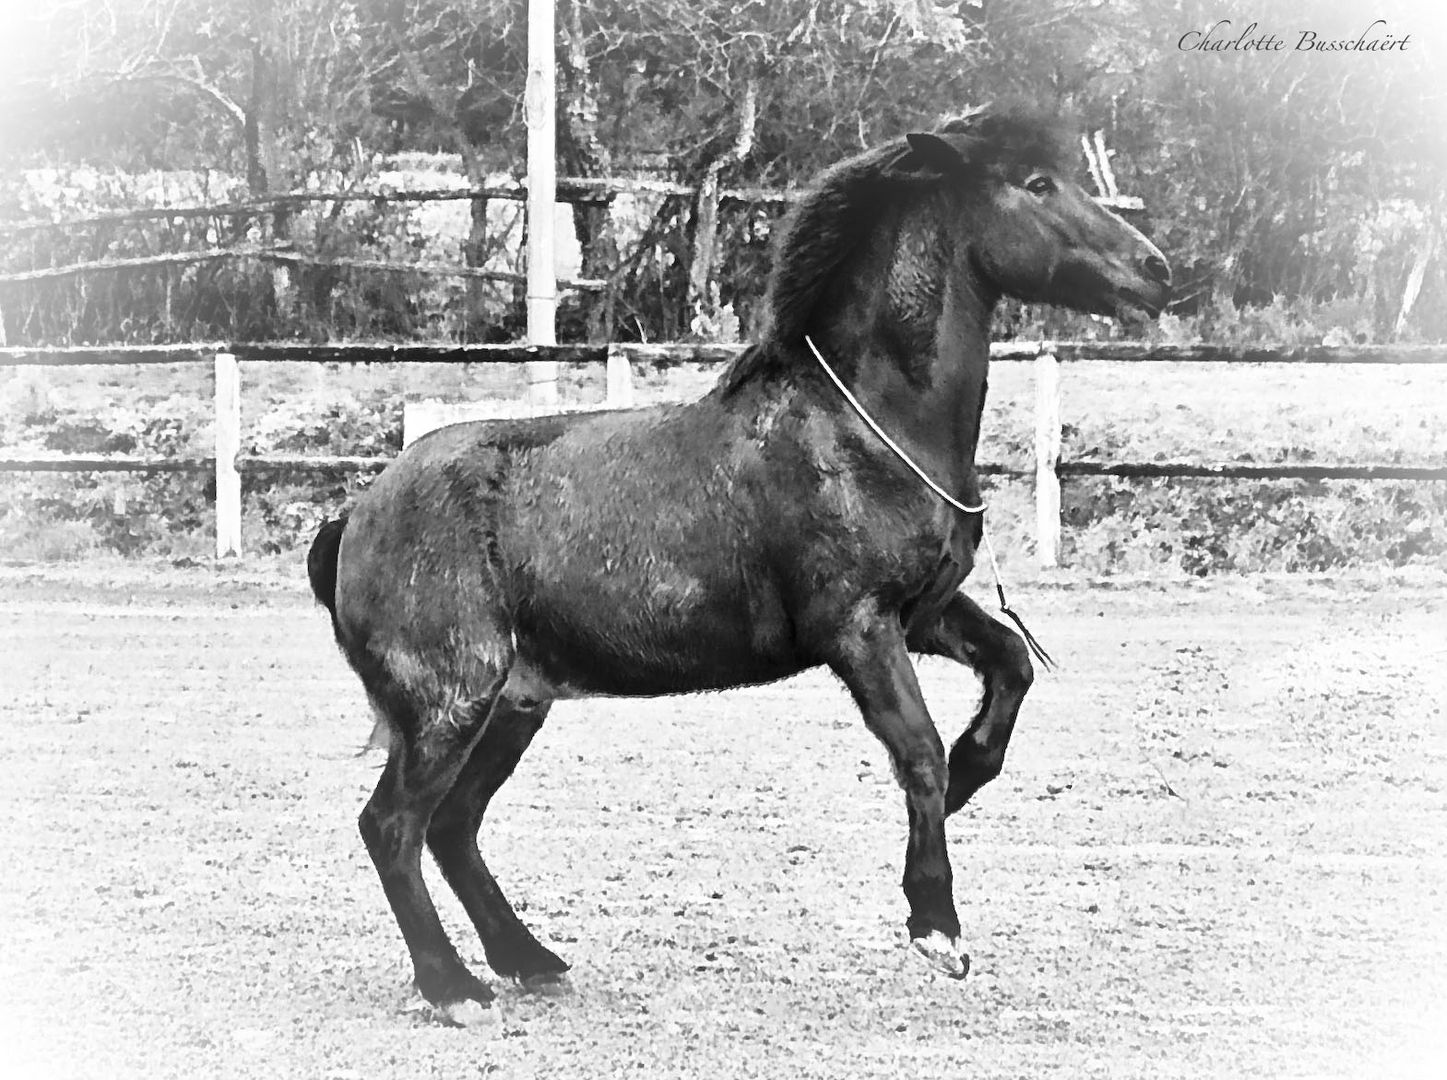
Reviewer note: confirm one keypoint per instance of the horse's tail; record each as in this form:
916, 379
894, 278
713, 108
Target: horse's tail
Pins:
321, 563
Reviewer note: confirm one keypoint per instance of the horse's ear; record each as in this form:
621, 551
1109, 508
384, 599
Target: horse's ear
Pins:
936, 154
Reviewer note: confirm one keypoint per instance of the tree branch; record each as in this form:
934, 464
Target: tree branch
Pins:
197, 82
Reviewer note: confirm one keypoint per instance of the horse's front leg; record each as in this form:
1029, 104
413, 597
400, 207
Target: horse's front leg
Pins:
967, 634
875, 666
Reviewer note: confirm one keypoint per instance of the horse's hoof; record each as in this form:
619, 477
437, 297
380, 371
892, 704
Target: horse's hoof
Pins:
547, 984
466, 1013
943, 953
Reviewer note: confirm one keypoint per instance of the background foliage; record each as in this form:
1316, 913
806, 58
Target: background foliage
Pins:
1296, 179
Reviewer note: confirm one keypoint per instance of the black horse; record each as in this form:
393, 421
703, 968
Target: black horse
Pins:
747, 536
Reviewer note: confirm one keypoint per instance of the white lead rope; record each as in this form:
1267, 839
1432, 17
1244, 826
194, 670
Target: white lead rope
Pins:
898, 450
1035, 646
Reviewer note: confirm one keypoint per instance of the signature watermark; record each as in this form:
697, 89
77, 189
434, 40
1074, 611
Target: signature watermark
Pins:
1222, 37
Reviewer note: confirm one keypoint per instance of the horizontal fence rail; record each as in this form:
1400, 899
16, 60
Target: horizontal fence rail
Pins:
591, 192
229, 464
596, 191
672, 354
289, 258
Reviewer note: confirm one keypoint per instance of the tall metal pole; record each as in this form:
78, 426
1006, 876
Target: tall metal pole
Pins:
542, 199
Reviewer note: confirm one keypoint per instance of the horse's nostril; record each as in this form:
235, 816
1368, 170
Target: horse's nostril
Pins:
1156, 269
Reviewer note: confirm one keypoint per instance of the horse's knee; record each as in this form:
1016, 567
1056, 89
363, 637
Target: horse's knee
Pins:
1014, 666
924, 777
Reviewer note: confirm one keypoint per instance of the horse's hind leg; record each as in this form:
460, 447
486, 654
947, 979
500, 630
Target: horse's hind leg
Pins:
967, 634
512, 951
430, 745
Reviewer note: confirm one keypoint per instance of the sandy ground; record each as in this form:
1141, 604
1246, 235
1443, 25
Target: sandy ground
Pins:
1216, 852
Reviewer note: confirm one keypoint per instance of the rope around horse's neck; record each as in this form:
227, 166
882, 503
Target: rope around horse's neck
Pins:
898, 450
929, 482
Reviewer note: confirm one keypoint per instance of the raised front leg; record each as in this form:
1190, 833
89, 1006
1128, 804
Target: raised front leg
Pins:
967, 634
875, 665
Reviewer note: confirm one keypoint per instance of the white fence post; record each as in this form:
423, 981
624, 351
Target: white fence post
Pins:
542, 284
228, 446
1047, 457
620, 379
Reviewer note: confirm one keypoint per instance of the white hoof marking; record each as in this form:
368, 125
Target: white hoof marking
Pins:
467, 1013
943, 953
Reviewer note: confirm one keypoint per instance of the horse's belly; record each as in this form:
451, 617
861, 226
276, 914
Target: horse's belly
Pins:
594, 643
531, 681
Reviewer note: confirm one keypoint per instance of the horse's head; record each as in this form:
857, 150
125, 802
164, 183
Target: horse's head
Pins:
940, 225
1028, 229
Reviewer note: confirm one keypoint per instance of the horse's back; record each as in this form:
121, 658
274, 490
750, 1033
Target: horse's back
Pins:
445, 478
621, 549
638, 560
417, 544
442, 526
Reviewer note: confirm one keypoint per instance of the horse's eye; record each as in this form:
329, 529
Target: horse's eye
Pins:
1039, 185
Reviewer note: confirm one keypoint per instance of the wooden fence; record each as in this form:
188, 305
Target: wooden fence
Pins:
576, 191
1049, 467
569, 190
599, 191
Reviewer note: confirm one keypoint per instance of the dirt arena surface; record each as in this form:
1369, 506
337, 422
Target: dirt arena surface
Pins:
1216, 851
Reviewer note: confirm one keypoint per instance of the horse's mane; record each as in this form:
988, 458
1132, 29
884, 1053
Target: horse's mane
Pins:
848, 200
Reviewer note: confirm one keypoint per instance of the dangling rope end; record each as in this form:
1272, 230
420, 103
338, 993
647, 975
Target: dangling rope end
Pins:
1036, 649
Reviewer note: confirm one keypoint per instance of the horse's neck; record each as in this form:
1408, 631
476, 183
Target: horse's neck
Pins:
963, 361
923, 377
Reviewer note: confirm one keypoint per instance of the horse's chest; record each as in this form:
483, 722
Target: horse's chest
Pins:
936, 573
